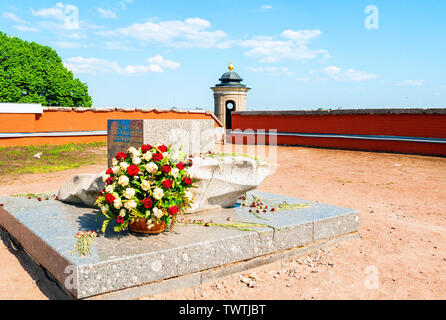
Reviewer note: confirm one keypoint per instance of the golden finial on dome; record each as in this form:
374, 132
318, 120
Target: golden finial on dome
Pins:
230, 67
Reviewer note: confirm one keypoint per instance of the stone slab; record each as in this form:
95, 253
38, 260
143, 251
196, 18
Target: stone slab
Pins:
117, 262
192, 135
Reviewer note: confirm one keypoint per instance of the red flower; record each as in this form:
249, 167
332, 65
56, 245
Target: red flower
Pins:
157, 157
166, 169
187, 181
147, 203
180, 165
121, 155
145, 148
133, 170
162, 148
190, 163
119, 219
109, 180
173, 210
101, 192
109, 171
167, 183
109, 198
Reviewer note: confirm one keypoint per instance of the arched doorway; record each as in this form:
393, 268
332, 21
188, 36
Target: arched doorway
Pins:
229, 106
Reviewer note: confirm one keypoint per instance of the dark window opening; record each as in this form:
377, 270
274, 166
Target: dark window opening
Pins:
230, 106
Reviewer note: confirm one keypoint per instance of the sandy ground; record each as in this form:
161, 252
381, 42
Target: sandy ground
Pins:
401, 253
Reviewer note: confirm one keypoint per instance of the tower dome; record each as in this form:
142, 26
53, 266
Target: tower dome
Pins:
230, 79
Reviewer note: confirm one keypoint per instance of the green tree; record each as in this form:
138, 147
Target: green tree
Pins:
32, 73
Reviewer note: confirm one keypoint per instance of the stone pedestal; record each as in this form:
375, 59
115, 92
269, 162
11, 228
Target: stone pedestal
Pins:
128, 265
193, 136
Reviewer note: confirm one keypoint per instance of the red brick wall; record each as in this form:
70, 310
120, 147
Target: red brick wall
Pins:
431, 124
78, 120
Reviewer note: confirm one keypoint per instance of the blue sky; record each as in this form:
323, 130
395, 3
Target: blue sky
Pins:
293, 54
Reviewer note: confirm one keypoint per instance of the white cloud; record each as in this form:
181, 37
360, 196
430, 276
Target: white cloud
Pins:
301, 36
266, 7
192, 32
159, 60
91, 65
107, 14
13, 17
22, 24
26, 28
273, 70
56, 12
70, 45
68, 14
411, 83
292, 47
75, 35
123, 3
338, 74
96, 65
117, 45
142, 69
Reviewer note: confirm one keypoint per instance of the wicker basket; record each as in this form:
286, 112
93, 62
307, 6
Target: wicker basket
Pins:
140, 226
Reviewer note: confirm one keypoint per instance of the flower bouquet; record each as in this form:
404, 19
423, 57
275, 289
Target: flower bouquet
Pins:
145, 189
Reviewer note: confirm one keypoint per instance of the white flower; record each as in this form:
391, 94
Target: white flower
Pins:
147, 156
190, 172
188, 195
158, 212
105, 177
136, 160
105, 208
123, 181
122, 212
129, 193
117, 203
124, 165
175, 172
149, 224
114, 162
109, 189
176, 155
145, 185
115, 169
158, 193
151, 167
133, 151
165, 155
131, 204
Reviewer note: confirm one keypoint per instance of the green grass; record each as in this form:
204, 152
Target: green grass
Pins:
30, 195
19, 160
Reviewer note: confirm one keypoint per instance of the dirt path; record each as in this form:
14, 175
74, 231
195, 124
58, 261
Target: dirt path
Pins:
402, 200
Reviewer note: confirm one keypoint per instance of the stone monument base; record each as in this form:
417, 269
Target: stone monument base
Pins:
126, 265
